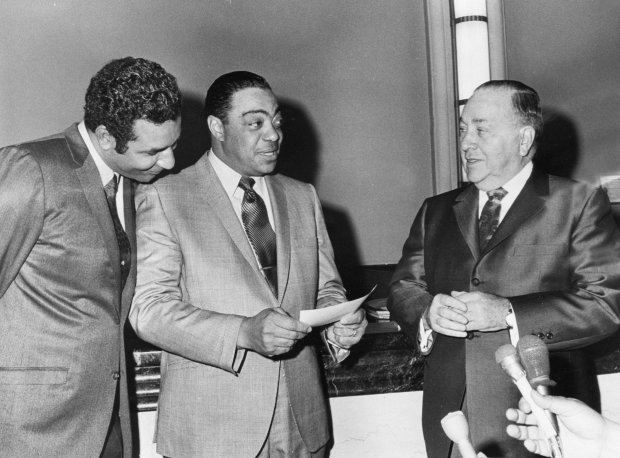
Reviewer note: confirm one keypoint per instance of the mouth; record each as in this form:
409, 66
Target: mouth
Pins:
271, 154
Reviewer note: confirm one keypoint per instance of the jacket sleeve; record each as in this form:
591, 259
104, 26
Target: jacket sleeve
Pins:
590, 309
408, 293
22, 209
159, 313
330, 289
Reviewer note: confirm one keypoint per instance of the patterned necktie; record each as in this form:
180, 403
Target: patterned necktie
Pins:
259, 232
489, 218
121, 237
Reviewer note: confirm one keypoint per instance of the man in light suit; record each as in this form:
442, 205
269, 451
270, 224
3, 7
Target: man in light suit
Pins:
537, 255
239, 376
68, 265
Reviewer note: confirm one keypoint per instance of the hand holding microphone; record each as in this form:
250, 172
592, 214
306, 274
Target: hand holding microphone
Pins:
534, 355
506, 356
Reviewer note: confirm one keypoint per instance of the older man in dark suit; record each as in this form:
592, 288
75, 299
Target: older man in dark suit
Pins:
516, 252
67, 270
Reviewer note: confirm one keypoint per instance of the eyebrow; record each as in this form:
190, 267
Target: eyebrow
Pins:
260, 112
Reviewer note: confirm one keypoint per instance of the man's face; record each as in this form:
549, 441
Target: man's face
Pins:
489, 136
150, 153
252, 132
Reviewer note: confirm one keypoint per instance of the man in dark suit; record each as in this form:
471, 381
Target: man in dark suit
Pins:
229, 253
516, 252
67, 245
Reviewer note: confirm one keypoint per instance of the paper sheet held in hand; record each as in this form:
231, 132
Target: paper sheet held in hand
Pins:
326, 315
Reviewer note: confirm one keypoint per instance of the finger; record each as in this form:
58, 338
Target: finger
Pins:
346, 331
452, 315
524, 406
453, 303
284, 321
353, 318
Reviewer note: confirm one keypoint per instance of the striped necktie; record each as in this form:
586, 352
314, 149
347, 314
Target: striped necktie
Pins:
259, 232
489, 218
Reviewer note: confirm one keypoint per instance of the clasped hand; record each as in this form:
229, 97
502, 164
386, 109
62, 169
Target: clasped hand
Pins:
460, 312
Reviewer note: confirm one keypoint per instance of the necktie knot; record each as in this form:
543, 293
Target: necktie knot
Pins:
246, 183
111, 187
497, 194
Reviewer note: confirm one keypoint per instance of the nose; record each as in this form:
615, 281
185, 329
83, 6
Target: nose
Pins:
166, 159
466, 139
273, 134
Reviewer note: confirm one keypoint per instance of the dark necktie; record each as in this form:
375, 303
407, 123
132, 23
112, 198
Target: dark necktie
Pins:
259, 231
124, 247
489, 218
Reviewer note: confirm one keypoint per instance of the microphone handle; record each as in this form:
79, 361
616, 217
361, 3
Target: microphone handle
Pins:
545, 425
544, 390
466, 449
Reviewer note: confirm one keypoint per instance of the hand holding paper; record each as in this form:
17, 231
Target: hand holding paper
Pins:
327, 315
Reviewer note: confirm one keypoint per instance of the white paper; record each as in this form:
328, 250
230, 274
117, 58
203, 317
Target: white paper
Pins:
326, 315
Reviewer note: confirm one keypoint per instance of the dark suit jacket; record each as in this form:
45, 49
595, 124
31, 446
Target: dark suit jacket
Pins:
197, 278
61, 332
555, 256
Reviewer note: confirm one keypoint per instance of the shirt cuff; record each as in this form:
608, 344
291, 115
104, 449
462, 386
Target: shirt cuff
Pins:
425, 338
337, 353
513, 329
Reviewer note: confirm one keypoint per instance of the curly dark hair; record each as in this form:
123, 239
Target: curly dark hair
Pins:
218, 101
126, 90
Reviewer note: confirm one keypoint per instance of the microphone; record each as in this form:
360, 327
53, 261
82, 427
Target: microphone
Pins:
534, 355
506, 356
456, 428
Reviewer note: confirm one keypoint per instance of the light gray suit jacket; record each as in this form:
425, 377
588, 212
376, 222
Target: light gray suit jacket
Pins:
197, 279
62, 308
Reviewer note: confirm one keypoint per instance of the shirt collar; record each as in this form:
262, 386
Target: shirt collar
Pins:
515, 184
230, 178
105, 172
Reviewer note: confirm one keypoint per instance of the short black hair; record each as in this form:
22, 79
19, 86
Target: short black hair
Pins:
525, 101
218, 101
126, 90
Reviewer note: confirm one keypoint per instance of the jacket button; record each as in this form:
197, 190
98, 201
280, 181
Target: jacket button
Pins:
475, 282
549, 335
116, 375
470, 335
541, 336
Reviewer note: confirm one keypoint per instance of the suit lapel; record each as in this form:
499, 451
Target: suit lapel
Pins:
216, 198
279, 206
530, 201
466, 213
89, 177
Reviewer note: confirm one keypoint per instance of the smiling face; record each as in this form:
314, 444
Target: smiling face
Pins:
494, 145
150, 152
249, 139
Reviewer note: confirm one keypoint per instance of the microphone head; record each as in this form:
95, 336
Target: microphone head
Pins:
455, 426
506, 356
534, 355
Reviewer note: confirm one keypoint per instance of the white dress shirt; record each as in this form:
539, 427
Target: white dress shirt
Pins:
105, 172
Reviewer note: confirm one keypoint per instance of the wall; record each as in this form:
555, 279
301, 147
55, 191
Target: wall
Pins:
568, 51
352, 77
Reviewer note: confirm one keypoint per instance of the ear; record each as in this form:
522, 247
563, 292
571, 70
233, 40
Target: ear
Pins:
106, 140
216, 126
526, 136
